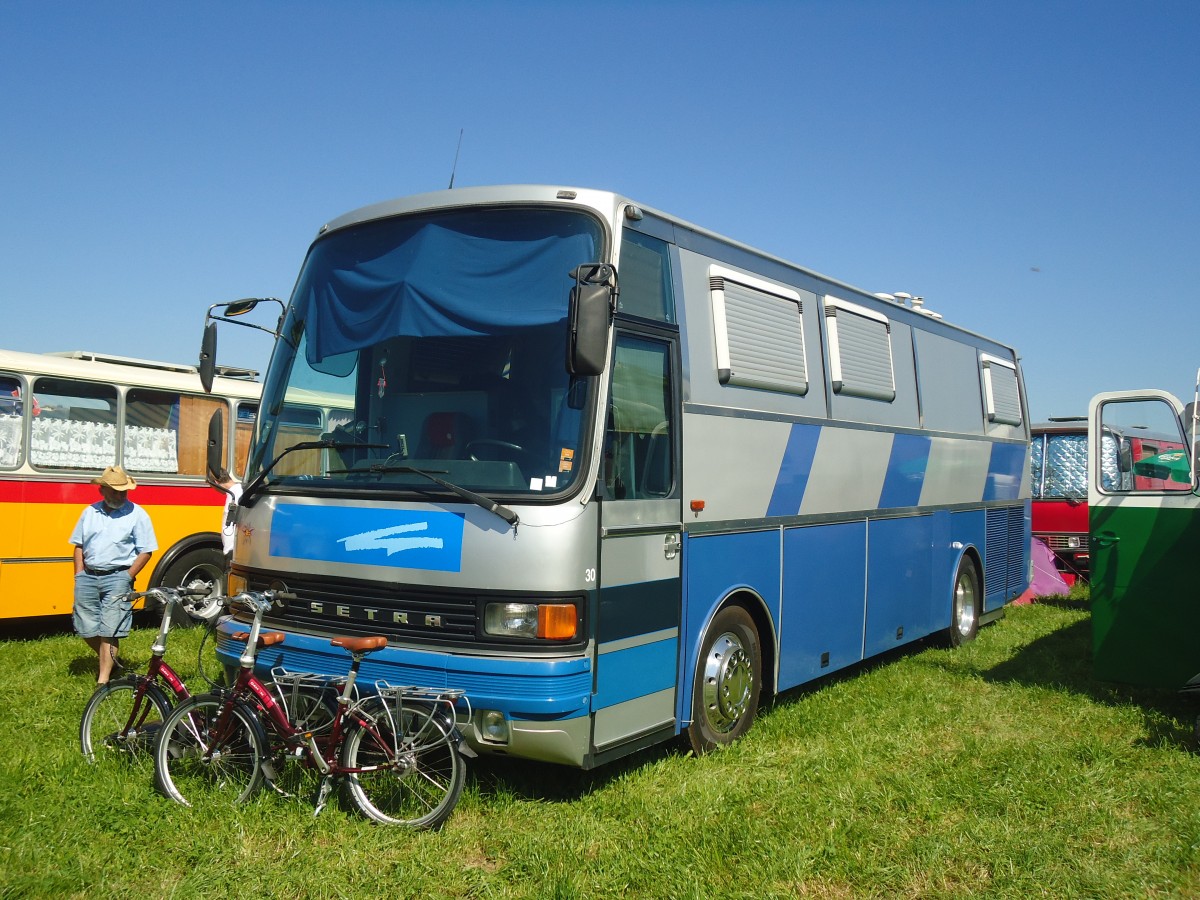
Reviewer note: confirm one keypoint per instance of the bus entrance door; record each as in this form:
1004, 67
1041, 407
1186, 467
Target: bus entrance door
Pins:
637, 629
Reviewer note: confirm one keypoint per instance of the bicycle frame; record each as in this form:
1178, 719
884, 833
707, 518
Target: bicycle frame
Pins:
322, 752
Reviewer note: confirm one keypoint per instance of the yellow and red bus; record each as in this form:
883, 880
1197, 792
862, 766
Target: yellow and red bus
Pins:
64, 417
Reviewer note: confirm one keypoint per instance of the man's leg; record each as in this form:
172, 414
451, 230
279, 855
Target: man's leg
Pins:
107, 652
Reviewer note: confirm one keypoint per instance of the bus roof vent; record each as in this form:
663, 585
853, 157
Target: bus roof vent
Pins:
123, 360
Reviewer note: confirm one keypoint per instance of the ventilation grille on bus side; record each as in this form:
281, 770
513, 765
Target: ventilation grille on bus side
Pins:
1007, 553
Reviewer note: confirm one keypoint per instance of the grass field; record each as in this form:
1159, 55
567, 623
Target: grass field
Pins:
997, 770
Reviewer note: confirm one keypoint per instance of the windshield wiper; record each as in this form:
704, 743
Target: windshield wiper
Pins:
478, 499
257, 482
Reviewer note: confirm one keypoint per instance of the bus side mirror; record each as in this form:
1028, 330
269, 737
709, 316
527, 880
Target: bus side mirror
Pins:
589, 314
216, 444
208, 356
1125, 457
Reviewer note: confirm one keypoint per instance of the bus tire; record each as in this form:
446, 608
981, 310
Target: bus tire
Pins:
728, 681
201, 566
965, 604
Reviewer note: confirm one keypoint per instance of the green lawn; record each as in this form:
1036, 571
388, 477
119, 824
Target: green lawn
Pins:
997, 770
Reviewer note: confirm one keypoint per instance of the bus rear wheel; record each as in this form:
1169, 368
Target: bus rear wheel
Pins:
965, 604
728, 681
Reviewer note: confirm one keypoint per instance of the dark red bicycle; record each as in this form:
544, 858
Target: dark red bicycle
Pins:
396, 751
122, 718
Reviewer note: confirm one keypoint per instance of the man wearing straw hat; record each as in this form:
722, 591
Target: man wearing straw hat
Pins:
113, 541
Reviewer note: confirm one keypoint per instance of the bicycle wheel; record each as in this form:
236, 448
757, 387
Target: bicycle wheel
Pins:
404, 766
210, 750
119, 724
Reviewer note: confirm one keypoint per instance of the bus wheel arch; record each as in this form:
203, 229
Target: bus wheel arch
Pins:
966, 600
727, 685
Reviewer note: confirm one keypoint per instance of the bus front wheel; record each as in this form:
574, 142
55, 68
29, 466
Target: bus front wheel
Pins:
202, 567
728, 681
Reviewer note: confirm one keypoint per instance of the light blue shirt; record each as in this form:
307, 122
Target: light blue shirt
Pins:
113, 538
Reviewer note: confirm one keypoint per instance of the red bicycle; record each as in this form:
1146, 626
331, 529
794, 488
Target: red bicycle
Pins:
396, 751
123, 717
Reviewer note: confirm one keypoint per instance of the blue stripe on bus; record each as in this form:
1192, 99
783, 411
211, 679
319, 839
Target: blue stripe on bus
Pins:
906, 471
794, 471
635, 672
1005, 471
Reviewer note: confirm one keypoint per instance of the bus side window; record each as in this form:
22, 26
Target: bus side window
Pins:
11, 433
166, 432
76, 427
638, 443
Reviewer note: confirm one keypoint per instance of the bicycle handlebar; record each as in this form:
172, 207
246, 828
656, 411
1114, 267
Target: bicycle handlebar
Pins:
265, 601
165, 595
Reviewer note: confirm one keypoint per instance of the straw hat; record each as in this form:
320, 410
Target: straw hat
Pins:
116, 478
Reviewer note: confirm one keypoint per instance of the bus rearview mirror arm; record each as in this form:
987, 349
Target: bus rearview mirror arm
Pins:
228, 312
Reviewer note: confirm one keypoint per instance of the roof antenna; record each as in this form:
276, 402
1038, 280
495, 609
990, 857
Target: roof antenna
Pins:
454, 168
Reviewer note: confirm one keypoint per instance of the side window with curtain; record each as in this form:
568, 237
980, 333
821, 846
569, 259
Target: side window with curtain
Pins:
76, 425
638, 443
166, 432
11, 422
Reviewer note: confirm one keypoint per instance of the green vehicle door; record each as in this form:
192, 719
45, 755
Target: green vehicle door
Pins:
1145, 541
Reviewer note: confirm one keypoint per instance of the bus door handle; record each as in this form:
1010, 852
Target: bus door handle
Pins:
671, 545
1105, 539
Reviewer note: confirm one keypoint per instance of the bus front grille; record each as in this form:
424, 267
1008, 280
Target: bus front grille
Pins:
397, 611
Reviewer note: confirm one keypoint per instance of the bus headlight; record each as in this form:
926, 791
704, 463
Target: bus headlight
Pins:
550, 621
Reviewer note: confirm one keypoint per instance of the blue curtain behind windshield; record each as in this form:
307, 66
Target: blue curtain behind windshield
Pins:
456, 276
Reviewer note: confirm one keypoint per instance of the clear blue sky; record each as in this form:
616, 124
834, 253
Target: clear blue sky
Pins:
1030, 168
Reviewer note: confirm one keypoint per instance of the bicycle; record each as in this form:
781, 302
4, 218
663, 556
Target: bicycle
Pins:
396, 751
122, 717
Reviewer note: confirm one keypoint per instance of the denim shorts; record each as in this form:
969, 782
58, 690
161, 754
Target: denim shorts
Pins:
101, 606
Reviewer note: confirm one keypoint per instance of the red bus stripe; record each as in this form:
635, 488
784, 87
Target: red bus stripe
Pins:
81, 493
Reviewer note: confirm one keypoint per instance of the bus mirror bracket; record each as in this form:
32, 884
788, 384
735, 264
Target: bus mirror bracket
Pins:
589, 314
228, 312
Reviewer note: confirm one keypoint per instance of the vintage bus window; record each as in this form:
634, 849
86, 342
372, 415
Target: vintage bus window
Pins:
1151, 450
167, 432
11, 431
76, 427
638, 444
1059, 466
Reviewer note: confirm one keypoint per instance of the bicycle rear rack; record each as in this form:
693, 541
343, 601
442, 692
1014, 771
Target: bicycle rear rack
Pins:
308, 698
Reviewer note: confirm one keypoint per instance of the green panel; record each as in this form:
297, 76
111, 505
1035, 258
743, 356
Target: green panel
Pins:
1145, 605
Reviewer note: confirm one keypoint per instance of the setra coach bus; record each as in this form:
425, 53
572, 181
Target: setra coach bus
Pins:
617, 477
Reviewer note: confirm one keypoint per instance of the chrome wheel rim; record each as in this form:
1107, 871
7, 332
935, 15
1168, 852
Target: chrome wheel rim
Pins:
728, 683
964, 604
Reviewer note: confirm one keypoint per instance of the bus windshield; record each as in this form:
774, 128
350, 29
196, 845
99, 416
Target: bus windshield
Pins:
439, 341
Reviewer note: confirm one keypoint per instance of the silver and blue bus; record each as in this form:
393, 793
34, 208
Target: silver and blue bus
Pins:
617, 477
